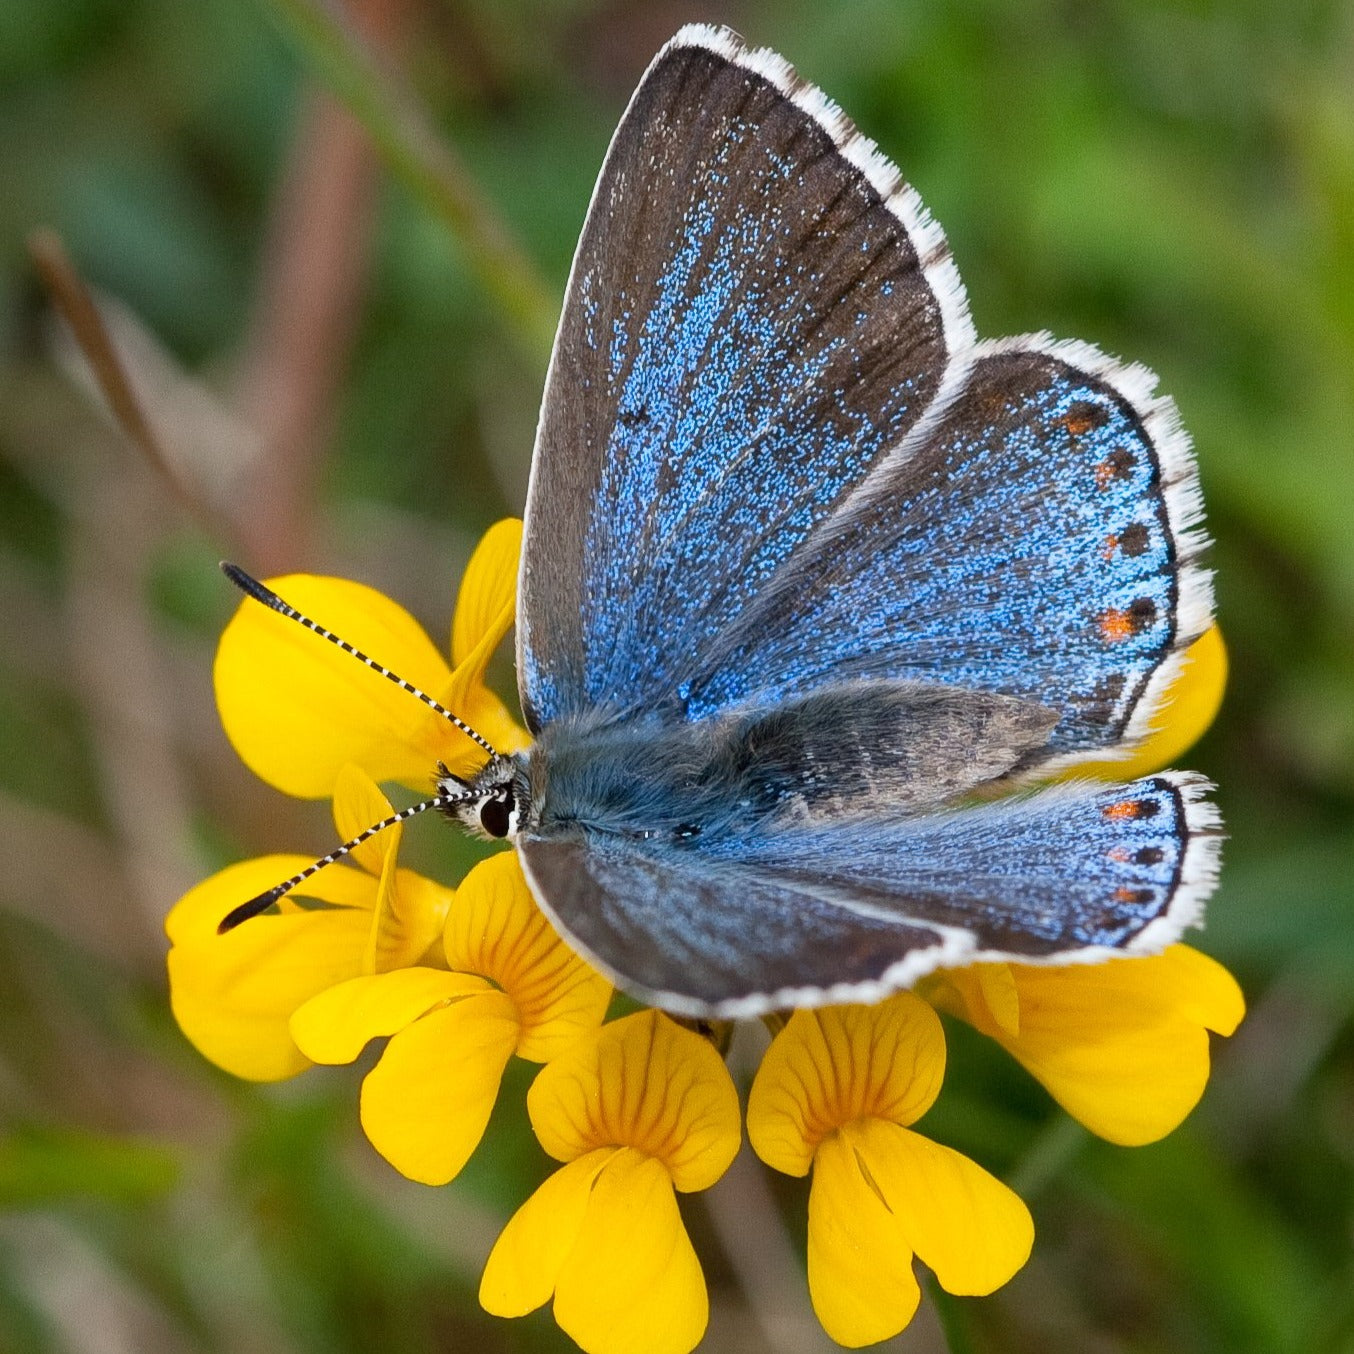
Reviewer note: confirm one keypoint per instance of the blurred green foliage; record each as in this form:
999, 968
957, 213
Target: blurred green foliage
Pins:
1170, 179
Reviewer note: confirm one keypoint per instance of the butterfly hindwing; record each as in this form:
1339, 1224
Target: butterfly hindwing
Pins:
1038, 538
832, 912
758, 310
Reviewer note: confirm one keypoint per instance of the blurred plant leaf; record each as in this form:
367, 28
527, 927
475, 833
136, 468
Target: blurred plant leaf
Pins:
42, 1166
421, 160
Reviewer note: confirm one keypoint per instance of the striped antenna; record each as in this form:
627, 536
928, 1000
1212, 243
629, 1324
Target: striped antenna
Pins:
265, 900
251, 587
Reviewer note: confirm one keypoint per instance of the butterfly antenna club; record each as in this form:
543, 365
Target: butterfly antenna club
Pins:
260, 592
263, 901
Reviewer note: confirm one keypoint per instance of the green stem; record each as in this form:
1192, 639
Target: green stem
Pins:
954, 1324
417, 156
1050, 1151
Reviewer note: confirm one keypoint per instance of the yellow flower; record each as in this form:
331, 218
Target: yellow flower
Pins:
836, 1093
234, 994
1121, 1046
638, 1109
515, 987
297, 709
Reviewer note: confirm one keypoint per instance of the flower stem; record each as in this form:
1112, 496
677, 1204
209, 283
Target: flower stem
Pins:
1051, 1150
414, 152
953, 1320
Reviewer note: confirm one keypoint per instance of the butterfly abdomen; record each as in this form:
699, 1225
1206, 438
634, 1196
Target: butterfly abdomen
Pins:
863, 748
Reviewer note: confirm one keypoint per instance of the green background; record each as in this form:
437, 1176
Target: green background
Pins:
344, 369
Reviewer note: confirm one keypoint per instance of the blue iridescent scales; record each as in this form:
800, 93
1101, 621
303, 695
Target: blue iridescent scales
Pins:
780, 493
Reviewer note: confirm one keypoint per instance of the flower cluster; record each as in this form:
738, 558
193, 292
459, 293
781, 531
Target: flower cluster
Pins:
638, 1108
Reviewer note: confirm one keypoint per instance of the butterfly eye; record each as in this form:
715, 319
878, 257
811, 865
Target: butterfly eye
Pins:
494, 816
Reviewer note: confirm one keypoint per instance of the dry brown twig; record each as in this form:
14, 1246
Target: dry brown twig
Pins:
77, 307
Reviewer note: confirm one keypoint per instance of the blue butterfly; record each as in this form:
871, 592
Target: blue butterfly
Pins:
809, 570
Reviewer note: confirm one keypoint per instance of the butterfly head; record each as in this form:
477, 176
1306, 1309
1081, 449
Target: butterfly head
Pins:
493, 802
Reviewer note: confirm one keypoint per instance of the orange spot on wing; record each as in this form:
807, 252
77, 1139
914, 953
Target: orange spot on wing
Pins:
1117, 465
1111, 545
1116, 625
1120, 810
1121, 854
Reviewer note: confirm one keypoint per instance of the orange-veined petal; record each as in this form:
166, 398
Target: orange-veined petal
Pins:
497, 930
860, 1264
632, 1283
962, 1222
830, 1066
642, 1082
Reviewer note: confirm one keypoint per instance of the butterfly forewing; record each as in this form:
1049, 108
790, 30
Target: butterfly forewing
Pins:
749, 326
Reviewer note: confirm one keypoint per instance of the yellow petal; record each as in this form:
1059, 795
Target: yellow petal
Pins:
337, 1024
297, 708
233, 995
497, 930
1122, 1046
860, 1264
1188, 706
986, 995
488, 590
963, 1223
410, 910
828, 1067
467, 695
642, 1082
1199, 988
485, 608
426, 1104
198, 913
417, 909
358, 805
525, 1262
632, 1283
